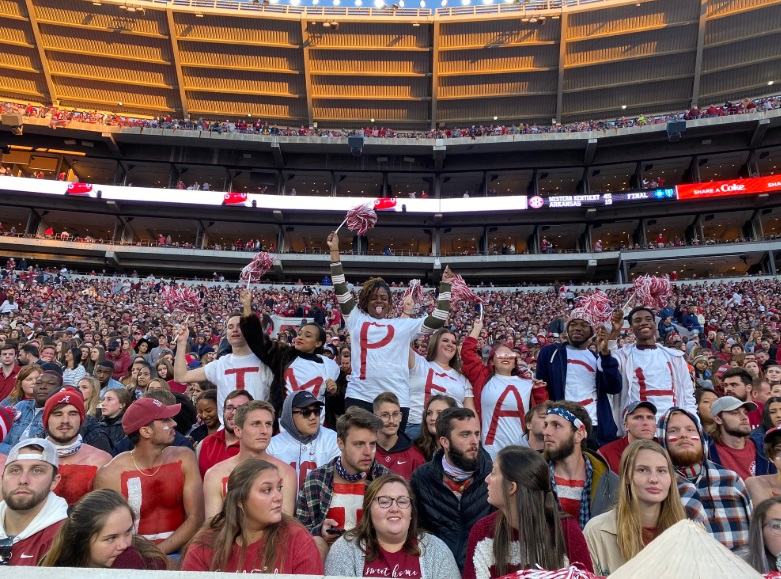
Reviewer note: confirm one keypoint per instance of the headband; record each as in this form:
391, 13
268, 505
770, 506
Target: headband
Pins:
567, 415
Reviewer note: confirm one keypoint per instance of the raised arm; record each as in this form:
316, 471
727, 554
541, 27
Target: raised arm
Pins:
438, 317
343, 295
181, 373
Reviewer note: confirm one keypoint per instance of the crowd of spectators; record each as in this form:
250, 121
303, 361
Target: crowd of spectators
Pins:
111, 352
47, 299
62, 116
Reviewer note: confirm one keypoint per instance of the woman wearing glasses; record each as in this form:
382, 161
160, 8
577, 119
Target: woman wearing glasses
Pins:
387, 542
504, 391
764, 536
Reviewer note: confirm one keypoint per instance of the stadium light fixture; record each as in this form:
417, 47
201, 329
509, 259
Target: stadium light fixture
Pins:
465, 2
295, 2
198, 15
359, 2
337, 2
623, 107
315, 2
379, 3
770, 83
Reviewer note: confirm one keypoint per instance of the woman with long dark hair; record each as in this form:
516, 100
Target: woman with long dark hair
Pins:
427, 441
251, 534
528, 530
96, 354
296, 367
387, 542
764, 536
648, 504
73, 371
439, 372
380, 343
99, 533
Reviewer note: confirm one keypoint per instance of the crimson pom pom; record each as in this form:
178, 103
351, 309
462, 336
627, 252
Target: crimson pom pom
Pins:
183, 299
460, 292
595, 308
570, 573
361, 219
653, 291
414, 290
257, 268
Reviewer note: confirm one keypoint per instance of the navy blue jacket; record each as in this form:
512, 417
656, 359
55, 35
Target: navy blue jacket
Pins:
763, 465
552, 368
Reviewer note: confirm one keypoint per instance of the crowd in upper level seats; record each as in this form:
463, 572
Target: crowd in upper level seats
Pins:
384, 434
62, 116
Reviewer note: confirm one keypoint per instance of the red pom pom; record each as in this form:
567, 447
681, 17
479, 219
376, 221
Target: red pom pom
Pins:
653, 291
257, 268
414, 290
361, 219
595, 308
183, 299
460, 292
570, 573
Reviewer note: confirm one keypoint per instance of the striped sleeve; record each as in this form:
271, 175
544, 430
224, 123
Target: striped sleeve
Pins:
343, 295
438, 317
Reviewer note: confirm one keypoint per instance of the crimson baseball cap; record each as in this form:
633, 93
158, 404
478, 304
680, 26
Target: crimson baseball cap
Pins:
146, 411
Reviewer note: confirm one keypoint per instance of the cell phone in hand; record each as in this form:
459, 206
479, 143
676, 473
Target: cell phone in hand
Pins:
334, 531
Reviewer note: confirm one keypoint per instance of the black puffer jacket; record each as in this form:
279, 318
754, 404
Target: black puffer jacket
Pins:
439, 510
112, 427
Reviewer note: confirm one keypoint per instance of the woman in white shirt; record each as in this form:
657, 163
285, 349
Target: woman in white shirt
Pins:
438, 373
380, 344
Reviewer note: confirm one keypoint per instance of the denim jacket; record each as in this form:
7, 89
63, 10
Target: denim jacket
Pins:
29, 417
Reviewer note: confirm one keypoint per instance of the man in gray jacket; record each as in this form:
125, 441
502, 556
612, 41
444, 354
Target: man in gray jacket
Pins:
583, 483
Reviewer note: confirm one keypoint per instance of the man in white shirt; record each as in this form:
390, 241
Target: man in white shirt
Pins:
651, 372
240, 370
303, 443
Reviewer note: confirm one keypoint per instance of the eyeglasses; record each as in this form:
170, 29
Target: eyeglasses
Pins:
231, 408
385, 416
308, 412
775, 526
386, 502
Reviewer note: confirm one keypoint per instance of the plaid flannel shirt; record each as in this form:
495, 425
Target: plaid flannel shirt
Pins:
720, 499
315, 496
585, 500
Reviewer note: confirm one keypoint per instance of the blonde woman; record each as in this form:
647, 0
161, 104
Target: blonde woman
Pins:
648, 504
90, 389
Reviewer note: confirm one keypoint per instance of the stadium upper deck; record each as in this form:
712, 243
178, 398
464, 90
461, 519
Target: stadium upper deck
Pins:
408, 68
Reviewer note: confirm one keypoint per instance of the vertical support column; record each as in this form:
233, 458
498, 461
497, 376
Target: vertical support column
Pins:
119, 227
33, 221
534, 186
437, 242
771, 263
437, 186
